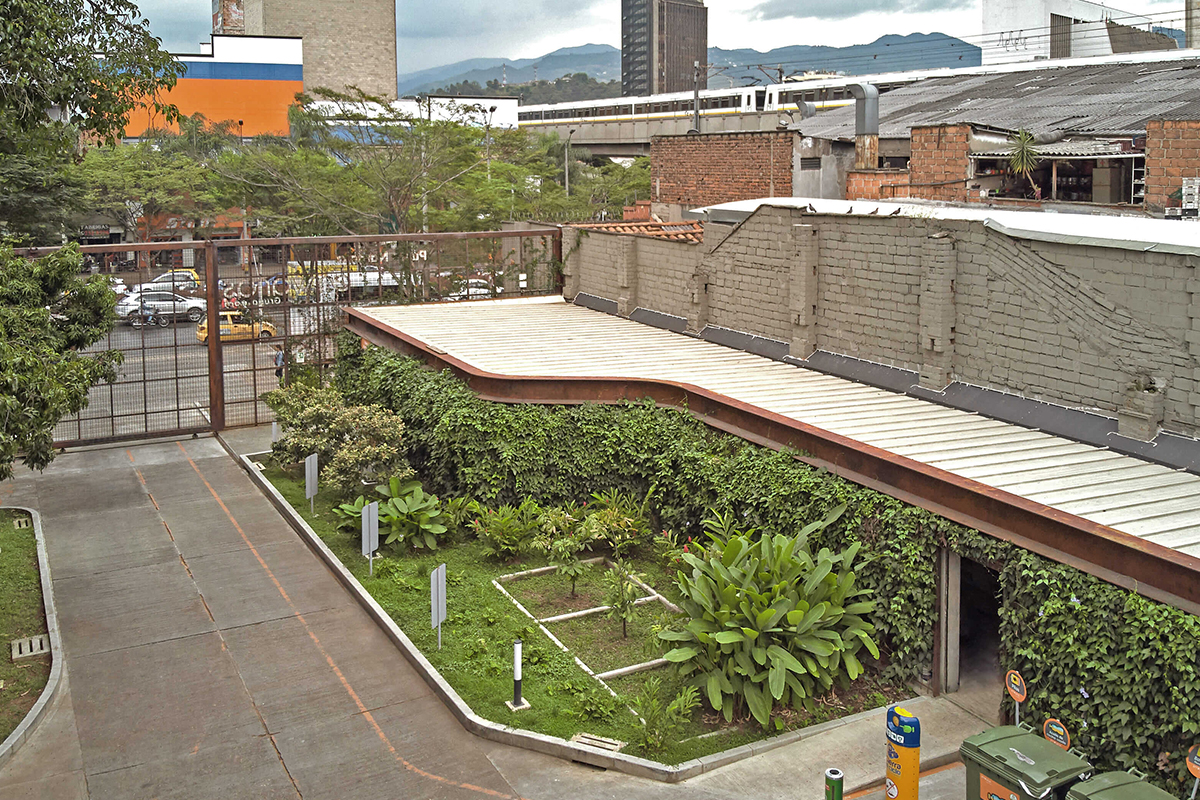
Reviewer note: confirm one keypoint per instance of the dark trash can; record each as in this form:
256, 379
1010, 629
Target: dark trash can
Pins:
1014, 763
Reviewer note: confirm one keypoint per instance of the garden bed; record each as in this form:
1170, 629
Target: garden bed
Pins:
482, 624
22, 615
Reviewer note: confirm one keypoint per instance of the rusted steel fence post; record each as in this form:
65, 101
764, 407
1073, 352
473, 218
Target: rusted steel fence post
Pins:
216, 356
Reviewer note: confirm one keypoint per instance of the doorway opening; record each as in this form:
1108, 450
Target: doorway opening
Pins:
980, 675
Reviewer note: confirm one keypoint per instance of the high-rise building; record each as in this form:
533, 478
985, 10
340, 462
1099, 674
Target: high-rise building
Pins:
346, 42
661, 40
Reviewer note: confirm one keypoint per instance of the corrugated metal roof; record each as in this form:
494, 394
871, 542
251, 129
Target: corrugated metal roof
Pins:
1098, 99
548, 337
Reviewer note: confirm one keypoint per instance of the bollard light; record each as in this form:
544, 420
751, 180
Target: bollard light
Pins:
518, 702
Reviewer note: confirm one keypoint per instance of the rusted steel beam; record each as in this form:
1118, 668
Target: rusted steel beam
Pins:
145, 247
1150, 569
216, 352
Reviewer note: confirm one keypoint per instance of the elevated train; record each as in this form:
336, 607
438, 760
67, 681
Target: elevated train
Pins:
824, 93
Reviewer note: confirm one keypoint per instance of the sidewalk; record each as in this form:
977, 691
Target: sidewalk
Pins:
209, 654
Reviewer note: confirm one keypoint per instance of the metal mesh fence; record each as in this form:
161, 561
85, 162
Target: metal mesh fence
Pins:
278, 306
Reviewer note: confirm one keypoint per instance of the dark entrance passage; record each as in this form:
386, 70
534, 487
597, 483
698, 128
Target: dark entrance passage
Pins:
981, 677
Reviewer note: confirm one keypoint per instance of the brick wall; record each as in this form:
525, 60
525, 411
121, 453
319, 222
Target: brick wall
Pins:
949, 299
721, 167
868, 184
1172, 154
753, 264
939, 165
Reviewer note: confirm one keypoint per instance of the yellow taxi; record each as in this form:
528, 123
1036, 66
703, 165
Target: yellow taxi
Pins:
236, 326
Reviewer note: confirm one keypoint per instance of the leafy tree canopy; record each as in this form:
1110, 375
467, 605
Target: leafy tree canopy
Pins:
77, 66
49, 314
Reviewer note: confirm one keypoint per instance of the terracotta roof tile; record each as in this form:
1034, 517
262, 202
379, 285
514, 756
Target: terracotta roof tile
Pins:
675, 231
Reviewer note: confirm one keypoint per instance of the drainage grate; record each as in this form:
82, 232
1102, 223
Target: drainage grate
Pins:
28, 648
22, 522
598, 742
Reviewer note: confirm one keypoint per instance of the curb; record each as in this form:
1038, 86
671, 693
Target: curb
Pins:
528, 740
10, 746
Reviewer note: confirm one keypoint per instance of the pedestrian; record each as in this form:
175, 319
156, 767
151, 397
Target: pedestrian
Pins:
278, 361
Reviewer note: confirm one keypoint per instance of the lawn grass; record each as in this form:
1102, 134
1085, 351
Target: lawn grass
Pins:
21, 615
599, 643
549, 594
482, 624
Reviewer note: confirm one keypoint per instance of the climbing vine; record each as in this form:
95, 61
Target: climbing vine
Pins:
1120, 670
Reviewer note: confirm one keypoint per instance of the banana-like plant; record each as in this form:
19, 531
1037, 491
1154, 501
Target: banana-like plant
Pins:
413, 517
769, 621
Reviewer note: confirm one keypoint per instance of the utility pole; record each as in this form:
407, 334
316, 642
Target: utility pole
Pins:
567, 163
696, 96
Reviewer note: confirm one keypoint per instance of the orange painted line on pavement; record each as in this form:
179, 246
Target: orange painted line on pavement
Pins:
383, 737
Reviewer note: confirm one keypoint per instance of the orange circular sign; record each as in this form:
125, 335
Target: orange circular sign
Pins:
1193, 760
1016, 686
1056, 732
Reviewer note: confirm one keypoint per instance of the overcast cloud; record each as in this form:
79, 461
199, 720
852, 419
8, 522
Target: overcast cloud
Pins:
445, 31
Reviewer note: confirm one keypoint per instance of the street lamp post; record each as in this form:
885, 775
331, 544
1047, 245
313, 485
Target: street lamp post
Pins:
567, 163
487, 133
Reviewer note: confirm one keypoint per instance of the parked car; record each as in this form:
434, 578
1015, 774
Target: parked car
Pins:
179, 280
474, 289
162, 304
236, 326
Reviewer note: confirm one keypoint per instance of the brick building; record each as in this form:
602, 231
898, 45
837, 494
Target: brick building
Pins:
1127, 150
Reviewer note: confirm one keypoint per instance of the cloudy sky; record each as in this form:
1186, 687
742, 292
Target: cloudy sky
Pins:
445, 31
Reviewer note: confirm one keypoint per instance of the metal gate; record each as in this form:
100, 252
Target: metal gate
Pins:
276, 307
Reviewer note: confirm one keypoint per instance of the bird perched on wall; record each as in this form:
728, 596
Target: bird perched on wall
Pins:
894, 213
810, 208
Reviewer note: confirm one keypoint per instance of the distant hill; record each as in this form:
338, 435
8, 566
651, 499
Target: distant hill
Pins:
602, 62
889, 53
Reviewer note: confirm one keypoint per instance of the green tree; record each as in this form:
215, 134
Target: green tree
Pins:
49, 314
78, 67
620, 595
38, 196
143, 185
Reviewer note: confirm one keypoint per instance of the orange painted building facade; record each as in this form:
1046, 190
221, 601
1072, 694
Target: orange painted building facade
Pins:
248, 78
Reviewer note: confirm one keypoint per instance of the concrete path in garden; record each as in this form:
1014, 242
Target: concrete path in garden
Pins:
209, 654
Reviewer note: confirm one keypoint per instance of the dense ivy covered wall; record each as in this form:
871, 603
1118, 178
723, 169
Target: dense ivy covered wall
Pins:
1118, 669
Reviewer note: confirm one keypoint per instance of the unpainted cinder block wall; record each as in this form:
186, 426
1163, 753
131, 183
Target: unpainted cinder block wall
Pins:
950, 300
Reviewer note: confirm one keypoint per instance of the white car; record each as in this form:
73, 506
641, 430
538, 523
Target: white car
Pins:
180, 280
474, 289
162, 304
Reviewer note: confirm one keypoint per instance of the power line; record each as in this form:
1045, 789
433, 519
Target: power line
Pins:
990, 41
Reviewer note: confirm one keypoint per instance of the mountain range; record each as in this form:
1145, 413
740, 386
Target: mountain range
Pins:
891, 53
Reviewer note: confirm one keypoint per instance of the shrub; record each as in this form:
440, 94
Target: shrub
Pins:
413, 518
353, 443
499, 453
769, 622
507, 530
618, 520
561, 540
660, 719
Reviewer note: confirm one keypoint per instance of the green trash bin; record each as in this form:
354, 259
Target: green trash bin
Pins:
1014, 763
1117, 786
